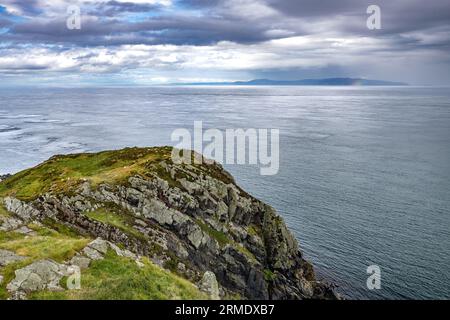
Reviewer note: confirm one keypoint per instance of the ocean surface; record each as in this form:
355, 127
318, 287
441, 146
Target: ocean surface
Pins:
364, 173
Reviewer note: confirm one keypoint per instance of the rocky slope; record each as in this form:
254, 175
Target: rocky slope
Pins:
189, 229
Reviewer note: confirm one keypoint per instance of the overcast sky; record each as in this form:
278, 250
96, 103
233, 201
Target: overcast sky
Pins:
141, 42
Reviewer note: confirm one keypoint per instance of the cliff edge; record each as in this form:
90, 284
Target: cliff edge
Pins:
138, 226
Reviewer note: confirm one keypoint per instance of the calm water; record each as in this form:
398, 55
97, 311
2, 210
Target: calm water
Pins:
364, 175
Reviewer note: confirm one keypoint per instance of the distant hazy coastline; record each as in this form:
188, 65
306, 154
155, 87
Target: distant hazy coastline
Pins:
303, 82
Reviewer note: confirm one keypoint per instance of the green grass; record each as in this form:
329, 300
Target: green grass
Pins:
221, 237
118, 278
3, 211
65, 173
245, 252
47, 244
58, 248
269, 275
55, 226
121, 221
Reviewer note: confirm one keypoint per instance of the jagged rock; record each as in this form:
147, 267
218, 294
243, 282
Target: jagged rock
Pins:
209, 285
100, 245
181, 267
40, 275
25, 230
8, 257
9, 223
123, 252
92, 253
4, 177
80, 261
20, 208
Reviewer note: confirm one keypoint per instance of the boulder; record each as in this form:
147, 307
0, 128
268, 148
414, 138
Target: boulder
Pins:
80, 261
8, 257
40, 275
210, 285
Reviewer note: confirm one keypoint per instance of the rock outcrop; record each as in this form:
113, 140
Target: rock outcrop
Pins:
191, 219
8, 257
4, 177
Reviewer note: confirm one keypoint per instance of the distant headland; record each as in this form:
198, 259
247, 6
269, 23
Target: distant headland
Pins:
303, 82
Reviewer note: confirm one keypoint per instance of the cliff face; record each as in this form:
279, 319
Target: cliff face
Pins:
192, 220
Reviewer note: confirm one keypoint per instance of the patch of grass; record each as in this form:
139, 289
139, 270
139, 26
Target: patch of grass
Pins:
58, 248
54, 227
9, 236
122, 221
253, 230
62, 174
47, 244
221, 237
269, 275
118, 278
245, 252
3, 211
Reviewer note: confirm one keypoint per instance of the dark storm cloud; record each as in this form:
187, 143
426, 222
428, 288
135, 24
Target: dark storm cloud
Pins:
220, 22
4, 23
311, 29
397, 16
158, 30
115, 8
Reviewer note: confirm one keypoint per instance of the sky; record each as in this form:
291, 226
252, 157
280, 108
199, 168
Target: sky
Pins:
145, 42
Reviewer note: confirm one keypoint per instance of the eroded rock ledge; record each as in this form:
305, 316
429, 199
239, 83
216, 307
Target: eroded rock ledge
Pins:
193, 220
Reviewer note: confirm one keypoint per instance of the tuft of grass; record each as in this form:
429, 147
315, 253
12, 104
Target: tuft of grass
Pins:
3, 211
58, 248
250, 256
269, 275
53, 226
221, 237
254, 230
119, 278
121, 221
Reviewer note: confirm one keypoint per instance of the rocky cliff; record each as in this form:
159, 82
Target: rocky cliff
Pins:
183, 227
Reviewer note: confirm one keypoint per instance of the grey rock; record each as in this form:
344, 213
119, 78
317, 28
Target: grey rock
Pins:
80, 261
8, 257
100, 245
40, 275
9, 223
181, 267
25, 230
122, 252
4, 177
20, 208
210, 285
